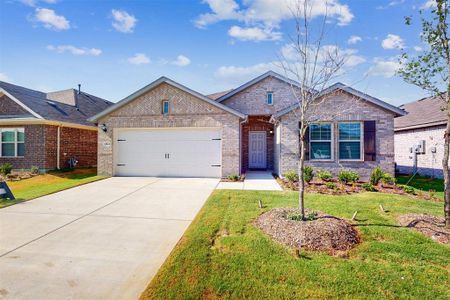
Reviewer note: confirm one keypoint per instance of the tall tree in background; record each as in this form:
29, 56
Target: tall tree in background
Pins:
313, 64
430, 71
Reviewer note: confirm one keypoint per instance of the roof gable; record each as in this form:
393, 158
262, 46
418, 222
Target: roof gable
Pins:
422, 113
155, 84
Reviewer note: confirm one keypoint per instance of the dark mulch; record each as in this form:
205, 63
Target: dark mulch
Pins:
326, 233
431, 226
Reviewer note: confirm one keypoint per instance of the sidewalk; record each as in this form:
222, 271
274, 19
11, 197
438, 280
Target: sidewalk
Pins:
254, 180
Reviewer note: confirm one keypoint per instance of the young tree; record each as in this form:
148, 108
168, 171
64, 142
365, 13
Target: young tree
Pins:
313, 64
430, 71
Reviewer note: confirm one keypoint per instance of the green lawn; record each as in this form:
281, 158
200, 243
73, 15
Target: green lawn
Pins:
52, 182
424, 183
391, 262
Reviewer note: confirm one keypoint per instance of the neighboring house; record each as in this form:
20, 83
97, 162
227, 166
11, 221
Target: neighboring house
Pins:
167, 129
419, 137
47, 129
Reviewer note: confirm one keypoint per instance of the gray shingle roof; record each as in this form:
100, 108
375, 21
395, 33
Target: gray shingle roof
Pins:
422, 113
86, 105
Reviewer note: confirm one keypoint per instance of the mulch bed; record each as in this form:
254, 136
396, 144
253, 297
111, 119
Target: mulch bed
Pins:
431, 226
326, 233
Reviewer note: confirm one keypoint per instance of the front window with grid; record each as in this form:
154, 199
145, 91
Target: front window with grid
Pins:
350, 141
12, 142
320, 141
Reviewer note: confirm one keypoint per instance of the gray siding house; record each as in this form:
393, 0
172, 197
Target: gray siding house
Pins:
167, 129
419, 137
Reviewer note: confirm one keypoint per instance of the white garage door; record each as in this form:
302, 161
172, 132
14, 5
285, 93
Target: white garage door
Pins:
177, 152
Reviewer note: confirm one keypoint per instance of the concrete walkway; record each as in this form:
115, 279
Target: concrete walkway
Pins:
254, 180
104, 240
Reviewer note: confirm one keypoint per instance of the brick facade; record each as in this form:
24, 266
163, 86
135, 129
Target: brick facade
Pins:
341, 107
429, 164
258, 123
41, 147
9, 107
185, 111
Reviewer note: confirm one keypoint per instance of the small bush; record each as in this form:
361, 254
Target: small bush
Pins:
233, 177
308, 173
34, 169
298, 216
376, 175
324, 175
331, 185
348, 176
388, 179
408, 189
368, 187
291, 176
5, 168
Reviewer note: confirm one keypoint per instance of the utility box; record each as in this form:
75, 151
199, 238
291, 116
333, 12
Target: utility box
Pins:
420, 149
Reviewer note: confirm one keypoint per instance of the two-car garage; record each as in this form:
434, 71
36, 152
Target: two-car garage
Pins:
184, 152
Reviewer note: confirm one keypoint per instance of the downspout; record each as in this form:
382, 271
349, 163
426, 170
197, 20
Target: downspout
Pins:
58, 147
240, 143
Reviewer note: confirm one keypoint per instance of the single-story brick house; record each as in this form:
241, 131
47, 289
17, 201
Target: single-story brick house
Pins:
167, 129
419, 137
47, 129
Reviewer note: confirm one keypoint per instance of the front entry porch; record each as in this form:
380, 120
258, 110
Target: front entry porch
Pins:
257, 136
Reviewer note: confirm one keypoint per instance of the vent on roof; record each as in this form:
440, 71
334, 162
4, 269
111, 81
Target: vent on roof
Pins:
51, 103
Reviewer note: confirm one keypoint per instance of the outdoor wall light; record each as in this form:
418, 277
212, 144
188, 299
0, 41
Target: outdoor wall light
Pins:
104, 128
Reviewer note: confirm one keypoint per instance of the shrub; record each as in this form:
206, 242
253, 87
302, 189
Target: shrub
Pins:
408, 189
368, 187
291, 176
376, 175
388, 178
331, 185
324, 175
233, 177
298, 216
348, 176
308, 173
34, 169
5, 168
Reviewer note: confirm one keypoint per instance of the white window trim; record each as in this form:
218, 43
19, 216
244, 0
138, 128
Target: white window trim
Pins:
361, 142
16, 141
331, 141
168, 107
267, 98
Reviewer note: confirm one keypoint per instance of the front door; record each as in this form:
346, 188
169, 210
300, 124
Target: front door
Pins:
257, 149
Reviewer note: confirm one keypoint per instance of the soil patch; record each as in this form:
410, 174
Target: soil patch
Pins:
326, 233
431, 226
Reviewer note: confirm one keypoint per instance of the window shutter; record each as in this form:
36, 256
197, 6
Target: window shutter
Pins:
306, 142
370, 149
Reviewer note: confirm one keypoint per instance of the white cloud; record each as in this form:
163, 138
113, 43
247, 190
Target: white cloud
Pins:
235, 74
354, 39
123, 21
385, 68
51, 20
139, 59
75, 50
33, 3
429, 4
392, 41
254, 34
4, 77
418, 49
263, 16
390, 4
181, 61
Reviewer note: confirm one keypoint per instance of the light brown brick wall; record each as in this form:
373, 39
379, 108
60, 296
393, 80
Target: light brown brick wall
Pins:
185, 111
252, 101
341, 107
429, 164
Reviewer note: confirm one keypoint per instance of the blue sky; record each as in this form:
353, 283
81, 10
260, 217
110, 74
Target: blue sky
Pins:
114, 48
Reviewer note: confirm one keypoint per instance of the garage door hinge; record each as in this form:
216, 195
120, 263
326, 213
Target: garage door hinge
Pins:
216, 139
121, 140
120, 165
216, 165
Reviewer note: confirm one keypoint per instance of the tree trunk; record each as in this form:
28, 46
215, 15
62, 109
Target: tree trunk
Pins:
301, 177
445, 165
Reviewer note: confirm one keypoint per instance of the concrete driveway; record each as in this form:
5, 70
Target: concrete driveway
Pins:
104, 240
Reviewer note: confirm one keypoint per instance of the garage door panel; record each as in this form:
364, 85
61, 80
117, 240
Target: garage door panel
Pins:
169, 152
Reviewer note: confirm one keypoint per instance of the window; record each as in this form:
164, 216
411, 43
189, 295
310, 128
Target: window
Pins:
270, 98
12, 142
165, 108
320, 141
350, 141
